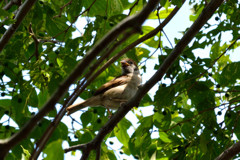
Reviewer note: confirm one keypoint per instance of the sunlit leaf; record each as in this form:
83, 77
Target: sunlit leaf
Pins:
161, 15
54, 150
230, 74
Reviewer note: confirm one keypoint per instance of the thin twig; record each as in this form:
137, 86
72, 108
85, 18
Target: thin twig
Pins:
167, 38
43, 140
11, 3
206, 71
199, 113
79, 89
134, 22
61, 8
140, 40
36, 42
23, 10
86, 10
123, 110
131, 8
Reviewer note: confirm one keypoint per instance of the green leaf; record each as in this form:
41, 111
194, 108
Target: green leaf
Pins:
4, 14
40, 129
121, 131
230, 74
203, 144
54, 150
187, 130
54, 84
98, 7
19, 110
5, 103
56, 26
146, 101
26, 154
138, 144
198, 12
230, 119
215, 50
84, 137
74, 9
202, 96
145, 124
162, 14
61, 132
164, 96
164, 137
163, 2
177, 2
32, 98
162, 121
60, 62
115, 7
52, 27
86, 118
42, 98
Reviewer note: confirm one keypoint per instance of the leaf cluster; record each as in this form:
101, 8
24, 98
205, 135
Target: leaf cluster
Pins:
195, 108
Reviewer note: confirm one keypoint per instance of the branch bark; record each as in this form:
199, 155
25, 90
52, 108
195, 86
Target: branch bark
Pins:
230, 152
23, 10
11, 3
90, 77
133, 22
207, 12
47, 134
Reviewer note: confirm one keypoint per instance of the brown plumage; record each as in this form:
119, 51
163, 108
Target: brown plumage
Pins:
114, 92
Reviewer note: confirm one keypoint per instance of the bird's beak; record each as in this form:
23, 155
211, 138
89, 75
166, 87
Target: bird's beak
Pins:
124, 63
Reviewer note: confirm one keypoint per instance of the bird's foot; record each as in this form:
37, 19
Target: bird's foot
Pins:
122, 104
109, 112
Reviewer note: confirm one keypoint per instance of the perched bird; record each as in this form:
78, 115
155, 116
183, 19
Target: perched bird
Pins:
117, 91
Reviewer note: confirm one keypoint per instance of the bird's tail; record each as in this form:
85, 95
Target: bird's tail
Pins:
75, 107
93, 101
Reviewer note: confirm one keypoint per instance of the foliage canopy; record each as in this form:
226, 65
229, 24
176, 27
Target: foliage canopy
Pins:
196, 105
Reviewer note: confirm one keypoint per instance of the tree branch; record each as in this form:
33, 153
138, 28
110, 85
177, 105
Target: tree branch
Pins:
89, 78
36, 42
133, 22
47, 134
230, 152
86, 10
207, 12
135, 43
61, 8
23, 10
11, 3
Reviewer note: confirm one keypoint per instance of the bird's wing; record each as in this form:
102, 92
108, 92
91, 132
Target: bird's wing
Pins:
113, 83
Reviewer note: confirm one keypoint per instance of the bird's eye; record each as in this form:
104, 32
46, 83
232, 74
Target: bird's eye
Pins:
130, 62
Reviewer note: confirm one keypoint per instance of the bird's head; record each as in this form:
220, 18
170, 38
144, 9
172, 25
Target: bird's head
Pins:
129, 66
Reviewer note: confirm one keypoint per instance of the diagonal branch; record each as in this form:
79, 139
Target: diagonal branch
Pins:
230, 152
133, 22
36, 42
207, 12
11, 3
47, 134
23, 10
90, 77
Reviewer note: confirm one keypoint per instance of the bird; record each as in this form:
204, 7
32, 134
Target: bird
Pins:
114, 93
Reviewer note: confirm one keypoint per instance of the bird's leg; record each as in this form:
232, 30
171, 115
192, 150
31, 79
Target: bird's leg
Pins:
122, 104
109, 112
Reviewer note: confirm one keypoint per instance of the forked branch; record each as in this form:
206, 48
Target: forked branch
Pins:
133, 22
206, 14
